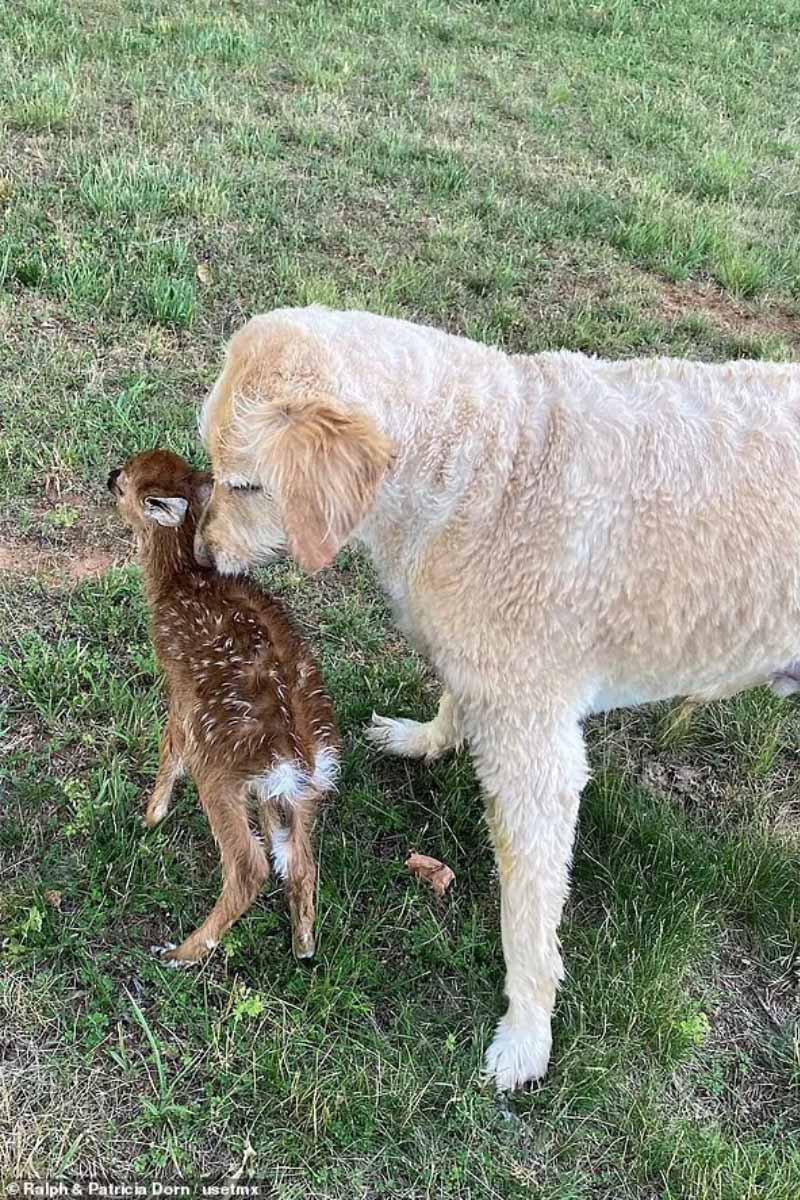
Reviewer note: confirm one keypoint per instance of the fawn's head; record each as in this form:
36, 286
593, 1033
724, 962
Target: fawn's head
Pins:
159, 488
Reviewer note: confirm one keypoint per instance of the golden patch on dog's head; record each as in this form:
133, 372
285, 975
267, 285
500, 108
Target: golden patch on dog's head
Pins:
294, 468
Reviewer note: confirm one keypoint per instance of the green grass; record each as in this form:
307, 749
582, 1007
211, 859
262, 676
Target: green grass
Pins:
618, 178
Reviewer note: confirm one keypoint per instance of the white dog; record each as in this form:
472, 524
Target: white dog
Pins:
557, 534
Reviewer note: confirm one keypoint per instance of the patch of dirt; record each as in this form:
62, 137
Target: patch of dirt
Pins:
732, 316
714, 781
26, 558
64, 539
90, 566
742, 1073
28, 156
669, 301
693, 783
717, 789
18, 558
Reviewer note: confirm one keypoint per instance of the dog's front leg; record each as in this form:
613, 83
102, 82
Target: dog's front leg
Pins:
533, 768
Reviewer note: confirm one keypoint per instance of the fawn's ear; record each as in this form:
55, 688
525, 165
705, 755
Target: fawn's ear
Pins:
165, 510
328, 464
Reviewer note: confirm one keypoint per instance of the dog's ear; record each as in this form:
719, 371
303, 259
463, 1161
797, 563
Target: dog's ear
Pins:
329, 464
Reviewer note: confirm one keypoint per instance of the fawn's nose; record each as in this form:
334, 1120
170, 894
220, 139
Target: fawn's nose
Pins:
114, 475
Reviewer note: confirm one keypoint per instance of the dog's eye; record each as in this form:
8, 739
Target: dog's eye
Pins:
245, 487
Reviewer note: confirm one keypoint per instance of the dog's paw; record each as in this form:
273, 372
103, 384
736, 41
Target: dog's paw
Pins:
409, 739
519, 1054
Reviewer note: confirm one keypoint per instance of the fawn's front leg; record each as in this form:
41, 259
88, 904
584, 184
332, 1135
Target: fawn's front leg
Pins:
170, 769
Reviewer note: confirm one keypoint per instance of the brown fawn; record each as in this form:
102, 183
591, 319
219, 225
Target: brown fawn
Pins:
248, 718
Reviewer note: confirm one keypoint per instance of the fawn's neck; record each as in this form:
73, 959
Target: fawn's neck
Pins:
167, 558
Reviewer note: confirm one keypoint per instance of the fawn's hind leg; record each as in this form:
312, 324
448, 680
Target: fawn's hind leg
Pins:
244, 868
170, 769
289, 835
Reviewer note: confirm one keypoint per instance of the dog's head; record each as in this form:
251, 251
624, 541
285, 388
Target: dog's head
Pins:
158, 488
294, 468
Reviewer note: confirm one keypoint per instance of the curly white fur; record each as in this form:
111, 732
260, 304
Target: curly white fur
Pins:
558, 534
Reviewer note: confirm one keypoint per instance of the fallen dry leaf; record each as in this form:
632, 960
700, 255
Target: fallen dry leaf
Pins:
437, 874
204, 273
53, 899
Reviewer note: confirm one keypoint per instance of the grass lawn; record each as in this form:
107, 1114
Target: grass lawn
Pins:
619, 177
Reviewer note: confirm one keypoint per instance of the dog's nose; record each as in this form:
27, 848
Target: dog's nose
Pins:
112, 478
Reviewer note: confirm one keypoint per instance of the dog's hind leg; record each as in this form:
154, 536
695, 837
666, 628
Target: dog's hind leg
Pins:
533, 767
418, 739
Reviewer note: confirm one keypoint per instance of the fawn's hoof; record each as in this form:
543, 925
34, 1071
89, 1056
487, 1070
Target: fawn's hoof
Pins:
154, 815
176, 957
303, 945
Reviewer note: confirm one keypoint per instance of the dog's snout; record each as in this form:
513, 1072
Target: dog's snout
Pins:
114, 475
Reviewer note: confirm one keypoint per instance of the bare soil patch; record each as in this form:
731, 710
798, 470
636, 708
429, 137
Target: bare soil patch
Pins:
739, 1073
26, 558
740, 317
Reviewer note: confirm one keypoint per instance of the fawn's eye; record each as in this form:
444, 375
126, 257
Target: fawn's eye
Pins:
245, 487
